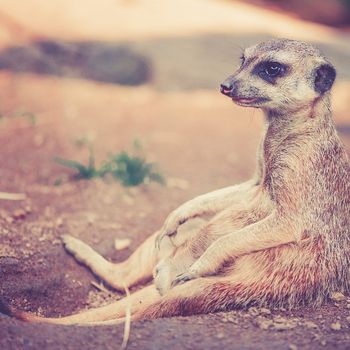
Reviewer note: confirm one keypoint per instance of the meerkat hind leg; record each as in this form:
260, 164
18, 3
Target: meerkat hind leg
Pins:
84, 254
117, 275
137, 268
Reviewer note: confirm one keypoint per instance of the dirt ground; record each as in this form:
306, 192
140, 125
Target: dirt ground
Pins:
201, 142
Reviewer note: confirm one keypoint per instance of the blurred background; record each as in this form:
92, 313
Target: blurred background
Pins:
112, 71
81, 80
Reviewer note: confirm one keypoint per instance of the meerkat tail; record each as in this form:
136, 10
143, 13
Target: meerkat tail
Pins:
20, 315
101, 315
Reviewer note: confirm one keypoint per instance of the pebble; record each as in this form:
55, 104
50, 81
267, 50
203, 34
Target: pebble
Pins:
19, 214
180, 184
337, 296
9, 219
310, 324
91, 218
336, 326
265, 324
59, 222
283, 326
122, 243
265, 311
253, 311
220, 335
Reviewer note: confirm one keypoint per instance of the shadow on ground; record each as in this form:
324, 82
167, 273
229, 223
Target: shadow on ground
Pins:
208, 58
110, 63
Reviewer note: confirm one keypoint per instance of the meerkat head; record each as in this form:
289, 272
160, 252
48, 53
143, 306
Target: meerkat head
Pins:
280, 74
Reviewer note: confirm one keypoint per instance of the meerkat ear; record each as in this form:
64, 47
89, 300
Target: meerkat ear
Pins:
324, 78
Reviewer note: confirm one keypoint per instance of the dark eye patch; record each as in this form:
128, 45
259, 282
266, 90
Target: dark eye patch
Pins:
270, 70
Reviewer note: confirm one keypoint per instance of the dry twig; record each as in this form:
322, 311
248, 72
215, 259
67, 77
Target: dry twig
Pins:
12, 196
127, 324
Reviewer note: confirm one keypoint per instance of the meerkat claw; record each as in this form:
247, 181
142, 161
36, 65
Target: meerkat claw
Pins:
161, 236
182, 278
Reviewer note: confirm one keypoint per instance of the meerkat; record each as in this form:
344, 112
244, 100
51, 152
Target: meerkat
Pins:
279, 239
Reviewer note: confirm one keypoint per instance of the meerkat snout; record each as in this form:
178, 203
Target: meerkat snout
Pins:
226, 87
280, 75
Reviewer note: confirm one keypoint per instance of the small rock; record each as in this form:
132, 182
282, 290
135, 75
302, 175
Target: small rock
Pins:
19, 214
265, 311
280, 319
121, 243
91, 218
292, 347
180, 184
281, 323
9, 219
59, 222
264, 324
310, 324
253, 311
283, 326
220, 335
232, 319
348, 319
337, 296
336, 326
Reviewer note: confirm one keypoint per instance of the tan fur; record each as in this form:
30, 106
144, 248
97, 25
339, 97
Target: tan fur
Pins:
280, 239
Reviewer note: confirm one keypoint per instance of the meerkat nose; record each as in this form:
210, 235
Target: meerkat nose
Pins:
226, 88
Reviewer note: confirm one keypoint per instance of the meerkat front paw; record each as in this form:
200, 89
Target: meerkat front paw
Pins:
170, 267
185, 229
163, 275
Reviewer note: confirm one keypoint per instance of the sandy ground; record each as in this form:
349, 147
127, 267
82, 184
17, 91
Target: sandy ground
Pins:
199, 138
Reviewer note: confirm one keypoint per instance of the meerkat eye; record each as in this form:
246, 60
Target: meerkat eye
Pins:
272, 69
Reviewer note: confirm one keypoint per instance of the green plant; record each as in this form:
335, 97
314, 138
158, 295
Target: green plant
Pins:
133, 170
88, 171
129, 170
